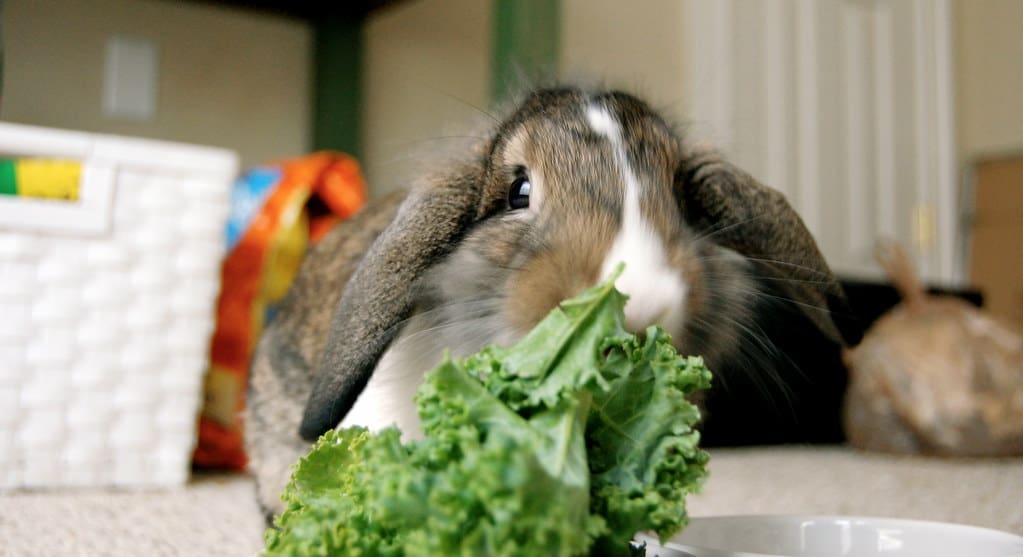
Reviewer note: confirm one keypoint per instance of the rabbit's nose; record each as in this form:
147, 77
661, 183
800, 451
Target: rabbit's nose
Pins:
656, 297
636, 321
651, 308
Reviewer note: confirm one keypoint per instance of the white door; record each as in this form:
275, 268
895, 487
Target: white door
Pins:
846, 107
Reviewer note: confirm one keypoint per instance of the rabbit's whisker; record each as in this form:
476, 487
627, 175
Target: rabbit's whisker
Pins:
772, 278
780, 263
482, 111
713, 231
757, 293
753, 354
759, 356
433, 140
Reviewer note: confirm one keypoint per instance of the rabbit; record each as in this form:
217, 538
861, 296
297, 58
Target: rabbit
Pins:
571, 182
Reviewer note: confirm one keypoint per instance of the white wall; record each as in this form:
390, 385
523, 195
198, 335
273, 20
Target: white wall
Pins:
227, 78
427, 75
636, 46
989, 77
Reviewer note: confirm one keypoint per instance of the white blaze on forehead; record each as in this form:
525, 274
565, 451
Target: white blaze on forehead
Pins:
656, 291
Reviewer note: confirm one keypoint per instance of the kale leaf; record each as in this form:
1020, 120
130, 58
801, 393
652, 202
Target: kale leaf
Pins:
567, 443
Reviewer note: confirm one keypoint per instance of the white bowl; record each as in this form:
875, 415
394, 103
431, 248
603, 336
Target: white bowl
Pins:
832, 536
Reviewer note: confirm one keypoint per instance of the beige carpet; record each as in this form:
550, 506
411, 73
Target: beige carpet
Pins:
215, 514
985, 493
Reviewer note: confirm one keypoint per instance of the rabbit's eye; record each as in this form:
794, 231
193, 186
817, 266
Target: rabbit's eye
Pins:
518, 193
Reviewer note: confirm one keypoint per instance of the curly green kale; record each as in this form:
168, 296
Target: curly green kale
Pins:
567, 443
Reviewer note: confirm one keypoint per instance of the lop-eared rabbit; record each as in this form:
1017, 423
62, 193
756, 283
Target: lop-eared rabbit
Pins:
570, 183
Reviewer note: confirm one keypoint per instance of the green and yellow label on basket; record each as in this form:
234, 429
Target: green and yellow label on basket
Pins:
40, 178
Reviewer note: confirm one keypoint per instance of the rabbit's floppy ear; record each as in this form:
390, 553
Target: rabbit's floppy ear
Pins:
379, 295
732, 208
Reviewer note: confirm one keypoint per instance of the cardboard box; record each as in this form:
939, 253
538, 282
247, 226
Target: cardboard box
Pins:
996, 243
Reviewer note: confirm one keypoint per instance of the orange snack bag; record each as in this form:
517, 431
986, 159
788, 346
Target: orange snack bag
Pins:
277, 211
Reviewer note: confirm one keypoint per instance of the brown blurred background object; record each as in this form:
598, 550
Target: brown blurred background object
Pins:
935, 375
996, 245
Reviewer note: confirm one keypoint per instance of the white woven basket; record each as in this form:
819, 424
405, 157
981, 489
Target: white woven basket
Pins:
106, 310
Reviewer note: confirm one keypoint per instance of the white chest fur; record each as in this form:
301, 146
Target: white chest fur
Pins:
388, 398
